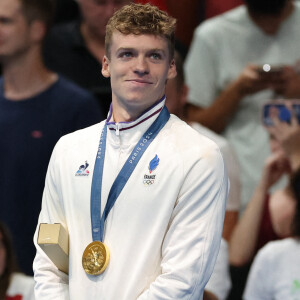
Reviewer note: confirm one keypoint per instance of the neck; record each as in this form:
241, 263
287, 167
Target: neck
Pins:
124, 115
26, 76
128, 114
94, 42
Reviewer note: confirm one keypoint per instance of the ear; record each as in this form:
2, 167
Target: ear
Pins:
37, 30
105, 67
172, 70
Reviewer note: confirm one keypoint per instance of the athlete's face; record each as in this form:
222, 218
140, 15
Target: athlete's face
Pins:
139, 67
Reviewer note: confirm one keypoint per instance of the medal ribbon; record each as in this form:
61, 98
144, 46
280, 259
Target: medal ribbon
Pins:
123, 176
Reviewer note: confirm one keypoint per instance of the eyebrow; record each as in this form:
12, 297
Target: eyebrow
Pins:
147, 51
124, 49
10, 16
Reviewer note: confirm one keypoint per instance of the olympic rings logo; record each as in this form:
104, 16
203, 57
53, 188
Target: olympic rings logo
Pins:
148, 181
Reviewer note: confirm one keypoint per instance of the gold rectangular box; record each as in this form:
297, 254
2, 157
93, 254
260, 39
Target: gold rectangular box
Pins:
54, 240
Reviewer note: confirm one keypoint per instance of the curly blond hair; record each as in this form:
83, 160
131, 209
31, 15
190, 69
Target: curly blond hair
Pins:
141, 19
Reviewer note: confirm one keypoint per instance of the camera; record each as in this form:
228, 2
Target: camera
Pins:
267, 70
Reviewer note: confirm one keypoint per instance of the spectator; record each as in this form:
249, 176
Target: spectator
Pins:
275, 271
256, 226
81, 48
66, 10
227, 91
13, 285
37, 107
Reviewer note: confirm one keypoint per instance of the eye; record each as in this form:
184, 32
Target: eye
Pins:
125, 54
4, 20
155, 56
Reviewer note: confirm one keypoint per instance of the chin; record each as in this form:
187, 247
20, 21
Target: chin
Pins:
136, 98
282, 232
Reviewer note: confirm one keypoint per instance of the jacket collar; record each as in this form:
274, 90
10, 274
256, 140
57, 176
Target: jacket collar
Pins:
129, 131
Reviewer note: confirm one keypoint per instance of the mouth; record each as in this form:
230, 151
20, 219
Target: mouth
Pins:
139, 81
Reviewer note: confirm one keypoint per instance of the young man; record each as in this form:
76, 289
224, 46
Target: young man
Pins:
37, 107
145, 222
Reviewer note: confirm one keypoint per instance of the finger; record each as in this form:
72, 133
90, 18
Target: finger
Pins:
277, 124
274, 133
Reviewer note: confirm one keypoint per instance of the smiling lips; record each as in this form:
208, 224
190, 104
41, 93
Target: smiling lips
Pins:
139, 81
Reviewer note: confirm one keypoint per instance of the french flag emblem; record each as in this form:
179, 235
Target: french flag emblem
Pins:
153, 164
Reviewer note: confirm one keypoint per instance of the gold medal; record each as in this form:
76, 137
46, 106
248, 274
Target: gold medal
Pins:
95, 258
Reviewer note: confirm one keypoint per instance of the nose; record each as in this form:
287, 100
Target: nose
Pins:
141, 67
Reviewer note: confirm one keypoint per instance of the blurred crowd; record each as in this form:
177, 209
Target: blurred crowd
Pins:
238, 82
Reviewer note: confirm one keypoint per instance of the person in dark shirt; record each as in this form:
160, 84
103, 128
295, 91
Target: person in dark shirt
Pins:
66, 10
76, 49
37, 107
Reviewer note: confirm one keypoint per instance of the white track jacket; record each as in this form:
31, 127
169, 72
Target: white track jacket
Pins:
163, 233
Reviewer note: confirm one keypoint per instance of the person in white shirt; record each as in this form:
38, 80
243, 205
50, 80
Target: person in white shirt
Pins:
275, 272
145, 222
227, 86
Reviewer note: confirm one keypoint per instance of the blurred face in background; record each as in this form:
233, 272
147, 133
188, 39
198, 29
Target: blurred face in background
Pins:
269, 14
96, 13
15, 32
282, 208
2, 255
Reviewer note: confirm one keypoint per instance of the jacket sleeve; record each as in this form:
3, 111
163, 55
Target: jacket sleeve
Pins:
192, 241
219, 283
50, 282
